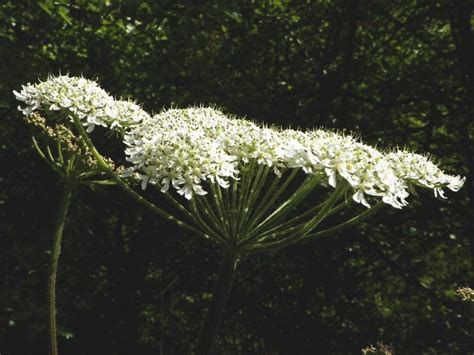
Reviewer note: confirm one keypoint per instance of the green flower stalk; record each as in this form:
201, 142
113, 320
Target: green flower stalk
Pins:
239, 184
63, 205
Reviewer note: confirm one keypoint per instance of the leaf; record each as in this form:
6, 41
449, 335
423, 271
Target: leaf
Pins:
64, 13
46, 6
234, 16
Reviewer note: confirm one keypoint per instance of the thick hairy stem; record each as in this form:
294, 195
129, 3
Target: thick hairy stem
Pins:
219, 299
58, 232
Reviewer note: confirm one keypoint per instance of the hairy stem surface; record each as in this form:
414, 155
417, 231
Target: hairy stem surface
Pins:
56, 251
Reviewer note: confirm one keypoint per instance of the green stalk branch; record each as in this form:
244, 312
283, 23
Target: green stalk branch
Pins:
232, 208
241, 195
205, 226
293, 201
219, 205
308, 227
48, 161
178, 205
324, 233
340, 189
349, 223
203, 204
270, 193
250, 203
269, 199
289, 227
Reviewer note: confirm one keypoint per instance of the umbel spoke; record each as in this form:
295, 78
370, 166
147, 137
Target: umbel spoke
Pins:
295, 223
292, 239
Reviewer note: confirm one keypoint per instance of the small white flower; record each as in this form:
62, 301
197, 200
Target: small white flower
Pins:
359, 198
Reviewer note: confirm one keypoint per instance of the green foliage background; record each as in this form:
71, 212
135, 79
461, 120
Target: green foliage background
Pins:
399, 73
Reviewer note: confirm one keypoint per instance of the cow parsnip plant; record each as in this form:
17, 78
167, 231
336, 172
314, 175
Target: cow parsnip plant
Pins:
235, 182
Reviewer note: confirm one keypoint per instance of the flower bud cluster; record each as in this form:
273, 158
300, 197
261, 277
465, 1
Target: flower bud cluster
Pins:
58, 132
186, 147
68, 142
82, 97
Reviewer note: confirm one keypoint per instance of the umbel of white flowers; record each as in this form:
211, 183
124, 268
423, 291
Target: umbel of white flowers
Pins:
185, 148
81, 97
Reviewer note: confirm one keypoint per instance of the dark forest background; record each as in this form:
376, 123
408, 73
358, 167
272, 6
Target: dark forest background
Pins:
397, 73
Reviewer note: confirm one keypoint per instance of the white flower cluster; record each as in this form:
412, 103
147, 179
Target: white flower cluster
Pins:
185, 147
416, 169
81, 97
